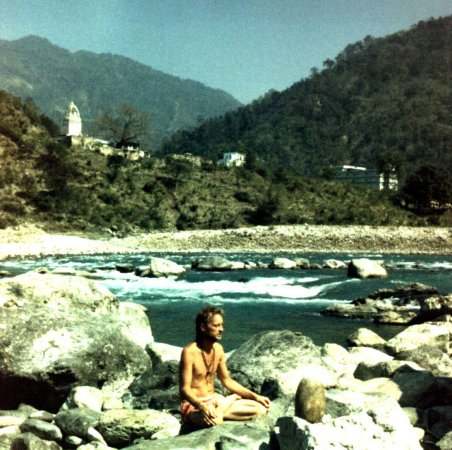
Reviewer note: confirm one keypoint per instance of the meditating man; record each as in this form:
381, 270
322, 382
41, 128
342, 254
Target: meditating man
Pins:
200, 362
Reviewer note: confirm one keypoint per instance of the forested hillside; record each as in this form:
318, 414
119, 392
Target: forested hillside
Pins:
52, 76
381, 102
44, 182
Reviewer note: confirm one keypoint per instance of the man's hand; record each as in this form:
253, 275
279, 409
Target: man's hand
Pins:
208, 413
263, 400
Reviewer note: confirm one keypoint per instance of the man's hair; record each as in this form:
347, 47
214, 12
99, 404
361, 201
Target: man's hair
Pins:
204, 316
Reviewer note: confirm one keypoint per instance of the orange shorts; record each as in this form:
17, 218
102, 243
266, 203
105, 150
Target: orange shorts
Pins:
187, 409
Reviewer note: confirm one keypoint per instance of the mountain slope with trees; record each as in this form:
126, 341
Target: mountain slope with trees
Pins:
381, 103
44, 182
52, 76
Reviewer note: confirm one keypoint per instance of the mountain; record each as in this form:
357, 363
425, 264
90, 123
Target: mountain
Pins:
381, 103
53, 76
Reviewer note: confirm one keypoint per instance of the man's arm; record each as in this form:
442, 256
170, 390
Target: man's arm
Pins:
237, 388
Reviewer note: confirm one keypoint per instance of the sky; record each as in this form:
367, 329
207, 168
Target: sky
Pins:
244, 47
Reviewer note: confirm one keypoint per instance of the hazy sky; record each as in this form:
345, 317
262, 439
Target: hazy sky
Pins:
245, 47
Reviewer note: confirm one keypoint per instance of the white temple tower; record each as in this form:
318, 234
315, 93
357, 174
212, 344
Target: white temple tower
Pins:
72, 121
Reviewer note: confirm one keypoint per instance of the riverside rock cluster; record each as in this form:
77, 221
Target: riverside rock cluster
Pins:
80, 370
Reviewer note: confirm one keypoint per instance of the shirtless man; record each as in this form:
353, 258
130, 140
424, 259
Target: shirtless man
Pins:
200, 362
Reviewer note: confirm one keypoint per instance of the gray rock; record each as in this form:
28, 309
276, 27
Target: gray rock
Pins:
67, 331
85, 397
445, 443
334, 264
366, 268
415, 385
274, 362
7, 435
160, 267
302, 263
367, 370
434, 307
253, 435
125, 268
44, 430
28, 441
121, 427
212, 263
282, 263
363, 337
76, 422
439, 420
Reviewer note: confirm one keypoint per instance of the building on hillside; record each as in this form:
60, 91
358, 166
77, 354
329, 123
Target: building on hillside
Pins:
232, 159
189, 158
72, 121
72, 127
365, 177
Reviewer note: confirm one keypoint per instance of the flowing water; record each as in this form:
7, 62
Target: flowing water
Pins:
254, 300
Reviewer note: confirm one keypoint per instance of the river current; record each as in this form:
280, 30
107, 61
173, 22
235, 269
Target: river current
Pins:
253, 300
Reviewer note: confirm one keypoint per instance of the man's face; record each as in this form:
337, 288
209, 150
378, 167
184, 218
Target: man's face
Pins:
214, 329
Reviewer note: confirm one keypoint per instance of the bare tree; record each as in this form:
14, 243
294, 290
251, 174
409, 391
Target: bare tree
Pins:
123, 125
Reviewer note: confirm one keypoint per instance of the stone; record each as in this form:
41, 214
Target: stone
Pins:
212, 263
160, 267
69, 331
302, 263
363, 337
366, 268
85, 397
12, 420
310, 400
282, 263
430, 358
161, 352
279, 359
433, 307
121, 427
42, 415
445, 443
77, 421
370, 355
7, 435
439, 419
435, 335
135, 323
44, 430
334, 264
366, 370
125, 268
28, 441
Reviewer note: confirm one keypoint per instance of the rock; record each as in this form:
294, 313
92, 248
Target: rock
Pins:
28, 441
279, 359
9, 420
399, 317
366, 370
125, 268
310, 400
439, 419
302, 263
77, 421
120, 427
432, 359
363, 337
252, 435
334, 264
404, 294
366, 268
5, 273
434, 335
445, 443
42, 415
7, 435
282, 263
73, 442
212, 263
135, 323
85, 397
44, 430
160, 267
415, 385
160, 352
68, 331
370, 355
434, 307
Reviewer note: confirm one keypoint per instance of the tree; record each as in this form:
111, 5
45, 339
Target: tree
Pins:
123, 125
428, 186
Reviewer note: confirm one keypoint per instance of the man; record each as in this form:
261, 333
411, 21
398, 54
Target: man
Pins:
200, 362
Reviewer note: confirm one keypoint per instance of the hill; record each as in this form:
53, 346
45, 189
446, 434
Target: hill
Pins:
53, 76
382, 102
43, 182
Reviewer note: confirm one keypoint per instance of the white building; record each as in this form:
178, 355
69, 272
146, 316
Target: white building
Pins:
231, 159
72, 121
366, 177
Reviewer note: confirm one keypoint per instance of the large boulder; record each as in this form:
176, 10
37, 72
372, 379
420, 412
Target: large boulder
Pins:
433, 307
274, 363
282, 263
215, 263
160, 267
354, 421
62, 331
366, 268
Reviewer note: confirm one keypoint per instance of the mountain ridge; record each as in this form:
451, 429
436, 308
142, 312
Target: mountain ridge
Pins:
33, 66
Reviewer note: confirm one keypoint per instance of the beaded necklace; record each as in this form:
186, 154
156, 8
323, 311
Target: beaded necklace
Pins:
209, 372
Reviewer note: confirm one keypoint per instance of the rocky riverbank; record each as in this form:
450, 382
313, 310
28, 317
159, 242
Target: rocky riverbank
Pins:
33, 241
81, 370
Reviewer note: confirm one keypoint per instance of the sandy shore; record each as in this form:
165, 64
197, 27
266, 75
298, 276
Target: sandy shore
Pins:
32, 241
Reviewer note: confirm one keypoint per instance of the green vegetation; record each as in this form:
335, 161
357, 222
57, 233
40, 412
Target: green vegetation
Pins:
382, 103
43, 181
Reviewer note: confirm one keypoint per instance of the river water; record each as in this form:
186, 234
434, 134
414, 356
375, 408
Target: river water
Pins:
253, 300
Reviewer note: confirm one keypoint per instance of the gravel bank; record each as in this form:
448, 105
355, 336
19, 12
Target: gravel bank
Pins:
32, 241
